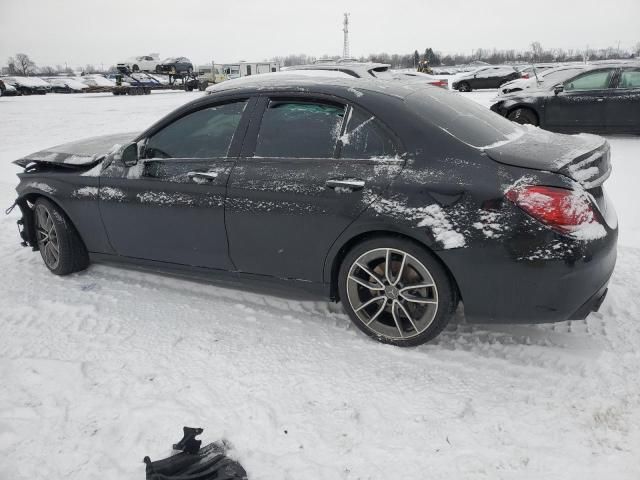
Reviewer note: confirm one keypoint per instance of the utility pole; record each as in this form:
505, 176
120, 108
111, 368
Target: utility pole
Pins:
345, 29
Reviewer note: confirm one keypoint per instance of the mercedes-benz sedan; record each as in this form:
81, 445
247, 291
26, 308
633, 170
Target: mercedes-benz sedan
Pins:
397, 199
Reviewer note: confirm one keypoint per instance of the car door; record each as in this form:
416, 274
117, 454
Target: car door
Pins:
310, 166
169, 207
623, 108
582, 104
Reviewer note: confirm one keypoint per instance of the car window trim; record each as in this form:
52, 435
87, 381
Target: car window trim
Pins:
249, 147
236, 141
612, 80
619, 78
262, 102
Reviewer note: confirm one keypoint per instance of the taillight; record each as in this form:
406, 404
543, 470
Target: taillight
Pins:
566, 211
440, 83
525, 75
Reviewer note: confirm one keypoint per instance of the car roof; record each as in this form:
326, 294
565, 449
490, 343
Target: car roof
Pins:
283, 81
362, 68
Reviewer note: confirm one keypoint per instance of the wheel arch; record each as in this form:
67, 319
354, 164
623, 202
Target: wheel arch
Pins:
524, 106
28, 218
340, 250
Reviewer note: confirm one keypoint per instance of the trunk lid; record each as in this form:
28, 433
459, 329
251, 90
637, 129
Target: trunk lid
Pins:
584, 158
80, 154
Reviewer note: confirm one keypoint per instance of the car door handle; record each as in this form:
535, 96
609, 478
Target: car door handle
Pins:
203, 175
352, 184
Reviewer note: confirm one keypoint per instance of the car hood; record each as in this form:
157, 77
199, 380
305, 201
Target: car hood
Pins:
81, 153
585, 158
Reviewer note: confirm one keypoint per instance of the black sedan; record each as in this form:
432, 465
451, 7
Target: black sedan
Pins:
400, 200
485, 77
601, 99
175, 66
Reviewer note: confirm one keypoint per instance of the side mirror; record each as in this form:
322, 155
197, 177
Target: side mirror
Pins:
558, 88
129, 154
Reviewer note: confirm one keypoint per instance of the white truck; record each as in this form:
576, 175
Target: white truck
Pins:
219, 72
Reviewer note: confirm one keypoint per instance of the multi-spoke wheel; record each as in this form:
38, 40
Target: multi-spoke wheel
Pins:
395, 291
60, 245
47, 237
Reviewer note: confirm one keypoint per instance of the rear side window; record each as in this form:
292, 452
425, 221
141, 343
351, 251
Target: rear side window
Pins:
293, 129
364, 137
630, 78
590, 81
206, 133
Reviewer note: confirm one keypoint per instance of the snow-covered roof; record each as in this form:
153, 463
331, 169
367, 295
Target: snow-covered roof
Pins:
26, 81
307, 81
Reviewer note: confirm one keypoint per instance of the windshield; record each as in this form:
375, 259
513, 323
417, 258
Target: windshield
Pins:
462, 118
559, 76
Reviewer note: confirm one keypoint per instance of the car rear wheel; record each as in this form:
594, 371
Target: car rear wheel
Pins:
396, 291
523, 116
61, 248
464, 87
136, 68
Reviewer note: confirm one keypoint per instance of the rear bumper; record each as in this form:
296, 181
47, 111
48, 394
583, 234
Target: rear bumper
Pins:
509, 284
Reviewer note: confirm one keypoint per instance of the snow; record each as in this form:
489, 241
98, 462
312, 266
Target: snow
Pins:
104, 367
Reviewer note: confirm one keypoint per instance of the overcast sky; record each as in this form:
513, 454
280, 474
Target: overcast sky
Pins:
103, 32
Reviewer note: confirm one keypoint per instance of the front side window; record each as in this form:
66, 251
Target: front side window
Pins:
630, 78
294, 129
364, 137
206, 133
590, 81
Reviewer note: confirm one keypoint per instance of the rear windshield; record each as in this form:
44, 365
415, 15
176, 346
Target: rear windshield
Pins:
382, 72
462, 118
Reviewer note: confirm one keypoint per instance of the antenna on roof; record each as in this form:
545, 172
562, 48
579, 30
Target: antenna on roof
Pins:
345, 29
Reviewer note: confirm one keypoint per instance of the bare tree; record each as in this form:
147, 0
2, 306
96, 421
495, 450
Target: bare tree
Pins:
21, 64
47, 70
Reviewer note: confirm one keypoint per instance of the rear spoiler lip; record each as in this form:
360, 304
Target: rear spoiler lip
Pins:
601, 156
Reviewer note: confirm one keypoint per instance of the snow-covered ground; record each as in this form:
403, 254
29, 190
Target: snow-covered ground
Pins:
104, 367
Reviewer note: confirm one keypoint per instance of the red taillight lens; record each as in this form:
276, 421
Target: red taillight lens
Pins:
440, 83
562, 209
525, 75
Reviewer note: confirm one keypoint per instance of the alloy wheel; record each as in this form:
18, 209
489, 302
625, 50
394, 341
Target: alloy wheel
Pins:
392, 293
47, 237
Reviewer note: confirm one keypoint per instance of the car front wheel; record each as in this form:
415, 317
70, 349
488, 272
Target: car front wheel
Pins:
61, 248
396, 291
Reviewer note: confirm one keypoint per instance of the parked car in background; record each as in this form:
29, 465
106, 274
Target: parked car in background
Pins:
554, 75
428, 79
396, 198
175, 66
28, 85
365, 70
143, 63
601, 99
529, 71
10, 90
66, 85
484, 77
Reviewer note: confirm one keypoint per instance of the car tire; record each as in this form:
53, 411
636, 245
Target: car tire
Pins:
135, 68
384, 305
60, 245
523, 116
464, 87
